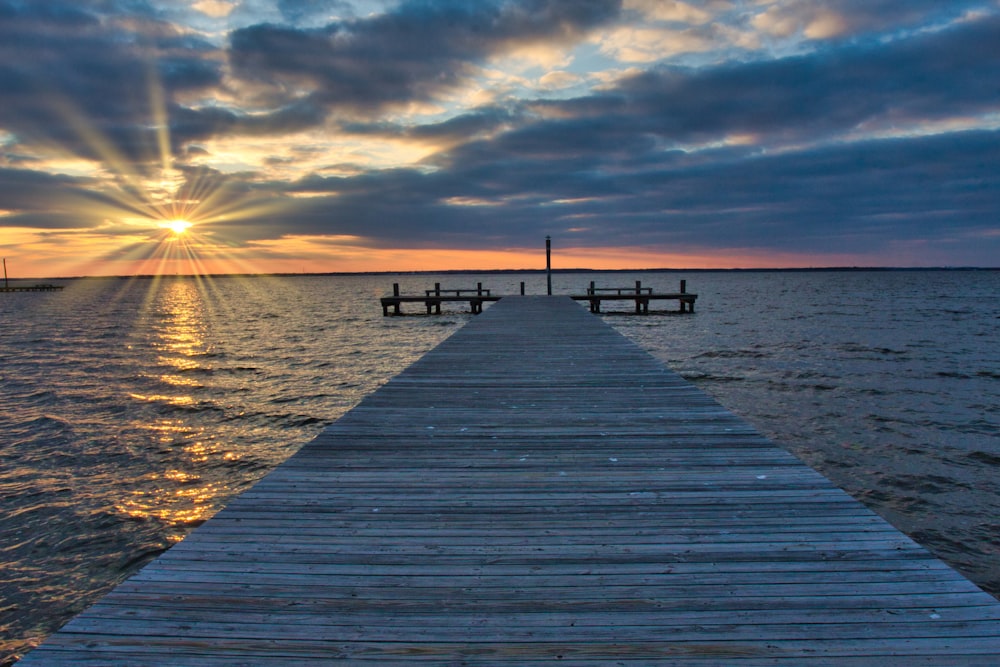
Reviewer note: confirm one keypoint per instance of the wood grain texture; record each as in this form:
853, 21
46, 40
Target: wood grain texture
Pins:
537, 489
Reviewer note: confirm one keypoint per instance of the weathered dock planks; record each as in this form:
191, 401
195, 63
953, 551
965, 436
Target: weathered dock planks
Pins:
514, 498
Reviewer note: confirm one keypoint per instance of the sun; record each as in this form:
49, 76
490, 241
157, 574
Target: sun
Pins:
176, 226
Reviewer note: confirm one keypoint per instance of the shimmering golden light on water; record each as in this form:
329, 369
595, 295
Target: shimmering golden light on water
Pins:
186, 503
172, 400
178, 381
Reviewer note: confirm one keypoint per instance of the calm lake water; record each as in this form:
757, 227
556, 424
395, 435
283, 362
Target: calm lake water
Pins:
132, 409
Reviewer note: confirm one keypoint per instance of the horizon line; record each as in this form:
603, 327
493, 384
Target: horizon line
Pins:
147, 276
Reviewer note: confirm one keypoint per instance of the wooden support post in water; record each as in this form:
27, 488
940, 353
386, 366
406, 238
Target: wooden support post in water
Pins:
548, 263
684, 285
522, 288
396, 306
638, 303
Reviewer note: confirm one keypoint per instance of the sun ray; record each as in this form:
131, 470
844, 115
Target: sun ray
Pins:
159, 213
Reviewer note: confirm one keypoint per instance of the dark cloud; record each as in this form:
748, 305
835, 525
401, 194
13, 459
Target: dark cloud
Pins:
411, 54
72, 69
608, 165
193, 125
825, 93
36, 199
25, 190
838, 198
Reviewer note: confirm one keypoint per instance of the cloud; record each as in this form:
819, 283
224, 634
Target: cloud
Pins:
413, 54
814, 97
22, 190
836, 198
631, 44
670, 10
852, 18
215, 8
80, 79
559, 80
788, 154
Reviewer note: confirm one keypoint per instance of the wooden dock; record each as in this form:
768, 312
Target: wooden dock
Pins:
433, 298
639, 295
32, 288
595, 296
40, 287
537, 489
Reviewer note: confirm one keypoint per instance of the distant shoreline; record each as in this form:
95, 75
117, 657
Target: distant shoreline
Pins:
822, 269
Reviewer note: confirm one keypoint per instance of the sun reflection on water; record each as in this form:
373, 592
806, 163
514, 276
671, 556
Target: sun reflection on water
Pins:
182, 493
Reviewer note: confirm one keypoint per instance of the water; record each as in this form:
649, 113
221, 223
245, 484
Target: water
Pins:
132, 409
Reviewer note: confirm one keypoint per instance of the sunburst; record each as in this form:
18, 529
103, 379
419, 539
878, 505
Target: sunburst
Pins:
178, 226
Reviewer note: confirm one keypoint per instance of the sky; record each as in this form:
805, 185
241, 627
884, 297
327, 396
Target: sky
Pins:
246, 136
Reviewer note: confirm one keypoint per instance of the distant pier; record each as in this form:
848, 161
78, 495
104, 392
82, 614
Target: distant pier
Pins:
433, 298
32, 288
595, 296
43, 287
638, 294
538, 489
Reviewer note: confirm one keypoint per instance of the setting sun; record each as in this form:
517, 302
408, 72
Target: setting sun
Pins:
176, 226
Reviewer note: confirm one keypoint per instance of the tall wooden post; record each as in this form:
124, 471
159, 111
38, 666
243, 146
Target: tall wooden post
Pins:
548, 263
395, 304
522, 288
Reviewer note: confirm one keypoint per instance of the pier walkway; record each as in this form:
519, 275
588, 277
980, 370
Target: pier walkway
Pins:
538, 488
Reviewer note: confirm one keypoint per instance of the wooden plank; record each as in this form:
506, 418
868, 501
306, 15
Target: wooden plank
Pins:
538, 488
